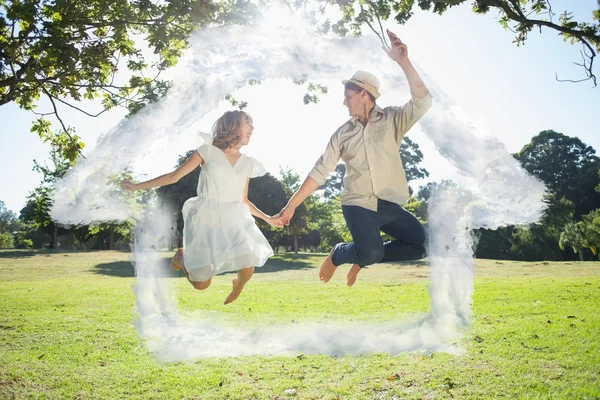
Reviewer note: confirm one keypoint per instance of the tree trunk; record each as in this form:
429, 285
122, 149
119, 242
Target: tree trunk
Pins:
111, 242
295, 243
580, 254
54, 237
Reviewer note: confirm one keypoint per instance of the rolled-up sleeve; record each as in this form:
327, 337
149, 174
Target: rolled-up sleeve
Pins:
408, 115
328, 161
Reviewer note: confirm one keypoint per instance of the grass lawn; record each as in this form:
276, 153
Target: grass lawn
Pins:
66, 332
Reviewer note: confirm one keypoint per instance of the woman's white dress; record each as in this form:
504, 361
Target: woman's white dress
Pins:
220, 234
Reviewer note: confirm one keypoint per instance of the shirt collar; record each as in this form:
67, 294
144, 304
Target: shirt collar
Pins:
376, 110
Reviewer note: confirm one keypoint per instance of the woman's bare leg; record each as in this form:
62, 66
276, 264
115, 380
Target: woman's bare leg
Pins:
243, 276
177, 260
178, 264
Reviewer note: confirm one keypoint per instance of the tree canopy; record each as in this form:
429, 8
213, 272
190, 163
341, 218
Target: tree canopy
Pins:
521, 17
566, 165
67, 51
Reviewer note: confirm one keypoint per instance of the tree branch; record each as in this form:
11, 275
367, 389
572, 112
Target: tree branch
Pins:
381, 28
518, 16
587, 68
550, 12
80, 110
380, 36
16, 76
60, 120
42, 114
88, 86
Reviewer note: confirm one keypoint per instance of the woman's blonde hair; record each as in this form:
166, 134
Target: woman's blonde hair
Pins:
226, 129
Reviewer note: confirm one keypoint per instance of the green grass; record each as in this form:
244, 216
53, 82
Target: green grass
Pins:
66, 332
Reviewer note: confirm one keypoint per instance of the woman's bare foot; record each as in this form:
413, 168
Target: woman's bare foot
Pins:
235, 291
177, 260
352, 274
238, 283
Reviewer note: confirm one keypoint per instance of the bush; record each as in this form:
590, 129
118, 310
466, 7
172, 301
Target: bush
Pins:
6, 241
26, 244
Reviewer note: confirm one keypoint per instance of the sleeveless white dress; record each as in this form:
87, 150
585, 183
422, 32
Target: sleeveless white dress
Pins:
219, 234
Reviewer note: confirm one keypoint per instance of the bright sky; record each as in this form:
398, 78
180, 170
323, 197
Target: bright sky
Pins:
509, 91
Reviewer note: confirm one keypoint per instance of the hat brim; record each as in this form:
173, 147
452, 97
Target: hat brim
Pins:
372, 91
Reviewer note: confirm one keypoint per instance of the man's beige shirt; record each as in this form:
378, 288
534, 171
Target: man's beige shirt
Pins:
371, 154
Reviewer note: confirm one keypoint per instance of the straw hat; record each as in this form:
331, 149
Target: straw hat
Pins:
365, 80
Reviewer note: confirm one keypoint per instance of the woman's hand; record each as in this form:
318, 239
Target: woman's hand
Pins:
126, 184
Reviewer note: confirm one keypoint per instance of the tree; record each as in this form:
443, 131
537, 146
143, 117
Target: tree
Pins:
325, 223
518, 16
592, 231
64, 150
9, 225
412, 156
417, 207
574, 236
335, 182
494, 244
41, 228
541, 241
423, 195
67, 51
566, 165
298, 225
36, 215
8, 220
569, 168
6, 241
269, 196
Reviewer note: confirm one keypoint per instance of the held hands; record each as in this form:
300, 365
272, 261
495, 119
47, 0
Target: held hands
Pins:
275, 221
126, 184
286, 214
398, 51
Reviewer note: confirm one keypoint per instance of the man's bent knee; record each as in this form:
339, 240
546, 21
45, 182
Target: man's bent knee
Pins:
371, 255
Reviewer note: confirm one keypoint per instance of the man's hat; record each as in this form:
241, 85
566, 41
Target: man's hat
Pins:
365, 80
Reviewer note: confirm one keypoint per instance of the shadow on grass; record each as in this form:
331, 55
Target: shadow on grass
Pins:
288, 262
296, 263
17, 253
414, 263
124, 269
22, 253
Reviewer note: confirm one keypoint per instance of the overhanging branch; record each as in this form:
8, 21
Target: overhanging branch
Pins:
60, 120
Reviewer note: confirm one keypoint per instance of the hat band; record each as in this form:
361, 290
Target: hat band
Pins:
368, 87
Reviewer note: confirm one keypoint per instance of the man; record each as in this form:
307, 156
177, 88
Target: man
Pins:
375, 186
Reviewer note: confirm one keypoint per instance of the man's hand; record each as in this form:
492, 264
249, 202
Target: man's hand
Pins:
286, 214
399, 51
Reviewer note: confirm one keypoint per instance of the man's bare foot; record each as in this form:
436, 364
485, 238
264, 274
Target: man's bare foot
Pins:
235, 291
352, 274
327, 269
177, 260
